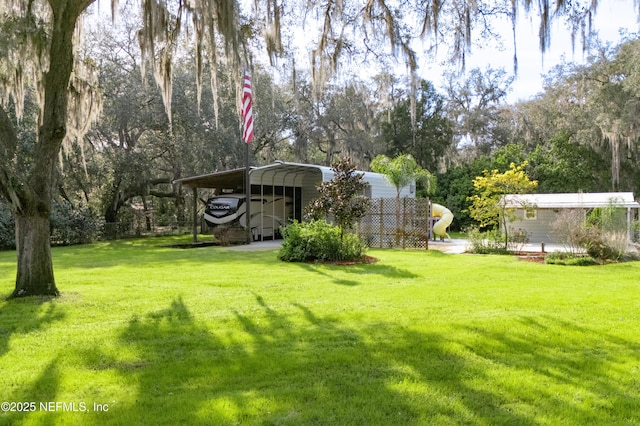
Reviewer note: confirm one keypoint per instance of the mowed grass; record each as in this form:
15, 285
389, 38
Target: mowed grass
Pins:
145, 334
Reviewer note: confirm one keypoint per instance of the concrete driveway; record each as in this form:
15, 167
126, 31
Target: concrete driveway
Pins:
454, 246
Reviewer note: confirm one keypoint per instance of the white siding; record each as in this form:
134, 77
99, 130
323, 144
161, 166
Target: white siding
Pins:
382, 188
538, 229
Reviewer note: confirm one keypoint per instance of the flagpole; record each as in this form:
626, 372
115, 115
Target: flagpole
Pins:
248, 193
247, 136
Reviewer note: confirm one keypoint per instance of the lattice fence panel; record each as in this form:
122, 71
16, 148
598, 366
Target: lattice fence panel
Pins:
393, 223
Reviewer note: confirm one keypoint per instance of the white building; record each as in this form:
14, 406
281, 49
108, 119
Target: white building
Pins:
535, 213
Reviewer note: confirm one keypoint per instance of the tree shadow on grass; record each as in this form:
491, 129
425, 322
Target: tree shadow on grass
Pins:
26, 315
263, 366
573, 371
333, 272
42, 390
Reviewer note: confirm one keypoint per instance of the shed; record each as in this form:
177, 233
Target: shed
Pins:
535, 213
295, 180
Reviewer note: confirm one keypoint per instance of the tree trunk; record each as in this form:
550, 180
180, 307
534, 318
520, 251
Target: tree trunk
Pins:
32, 204
35, 268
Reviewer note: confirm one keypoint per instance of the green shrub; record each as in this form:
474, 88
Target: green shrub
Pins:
69, 225
73, 225
318, 240
518, 238
7, 229
607, 236
569, 259
488, 242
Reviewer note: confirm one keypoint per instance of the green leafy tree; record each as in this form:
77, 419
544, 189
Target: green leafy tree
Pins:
342, 197
403, 170
39, 49
429, 137
563, 166
488, 205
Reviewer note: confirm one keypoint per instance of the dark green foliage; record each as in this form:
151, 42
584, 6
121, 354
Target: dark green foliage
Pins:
318, 240
73, 225
69, 225
454, 187
342, 197
563, 166
7, 229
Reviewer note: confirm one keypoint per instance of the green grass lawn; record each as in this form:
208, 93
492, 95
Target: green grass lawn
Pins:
146, 335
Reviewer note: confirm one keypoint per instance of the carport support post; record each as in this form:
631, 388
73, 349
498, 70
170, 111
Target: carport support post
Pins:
194, 224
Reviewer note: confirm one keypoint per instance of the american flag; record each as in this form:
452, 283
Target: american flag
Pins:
247, 113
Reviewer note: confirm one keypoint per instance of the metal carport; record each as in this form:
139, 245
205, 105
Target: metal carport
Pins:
299, 181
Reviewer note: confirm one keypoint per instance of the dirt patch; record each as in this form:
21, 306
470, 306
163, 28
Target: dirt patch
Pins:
363, 260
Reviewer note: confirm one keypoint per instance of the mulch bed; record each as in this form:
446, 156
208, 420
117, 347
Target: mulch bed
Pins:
535, 257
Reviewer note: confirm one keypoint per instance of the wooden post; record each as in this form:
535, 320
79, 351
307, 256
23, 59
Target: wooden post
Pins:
404, 223
428, 211
381, 211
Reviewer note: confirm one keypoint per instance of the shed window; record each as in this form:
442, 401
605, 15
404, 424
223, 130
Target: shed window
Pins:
530, 214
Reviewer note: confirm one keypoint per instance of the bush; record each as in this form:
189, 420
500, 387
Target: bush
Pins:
492, 241
569, 259
569, 227
69, 225
73, 225
488, 242
7, 229
518, 238
607, 236
318, 240
603, 232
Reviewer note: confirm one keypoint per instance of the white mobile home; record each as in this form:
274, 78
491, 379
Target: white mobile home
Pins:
541, 210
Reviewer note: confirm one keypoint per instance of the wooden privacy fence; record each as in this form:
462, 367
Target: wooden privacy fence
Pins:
396, 223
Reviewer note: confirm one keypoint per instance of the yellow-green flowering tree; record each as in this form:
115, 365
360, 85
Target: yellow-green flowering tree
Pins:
489, 206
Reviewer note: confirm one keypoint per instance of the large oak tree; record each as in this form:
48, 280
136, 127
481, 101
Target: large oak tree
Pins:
41, 52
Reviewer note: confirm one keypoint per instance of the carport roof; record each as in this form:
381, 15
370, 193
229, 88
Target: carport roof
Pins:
282, 172
226, 179
278, 173
234, 179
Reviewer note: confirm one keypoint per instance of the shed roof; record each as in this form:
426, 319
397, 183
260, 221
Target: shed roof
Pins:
573, 200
